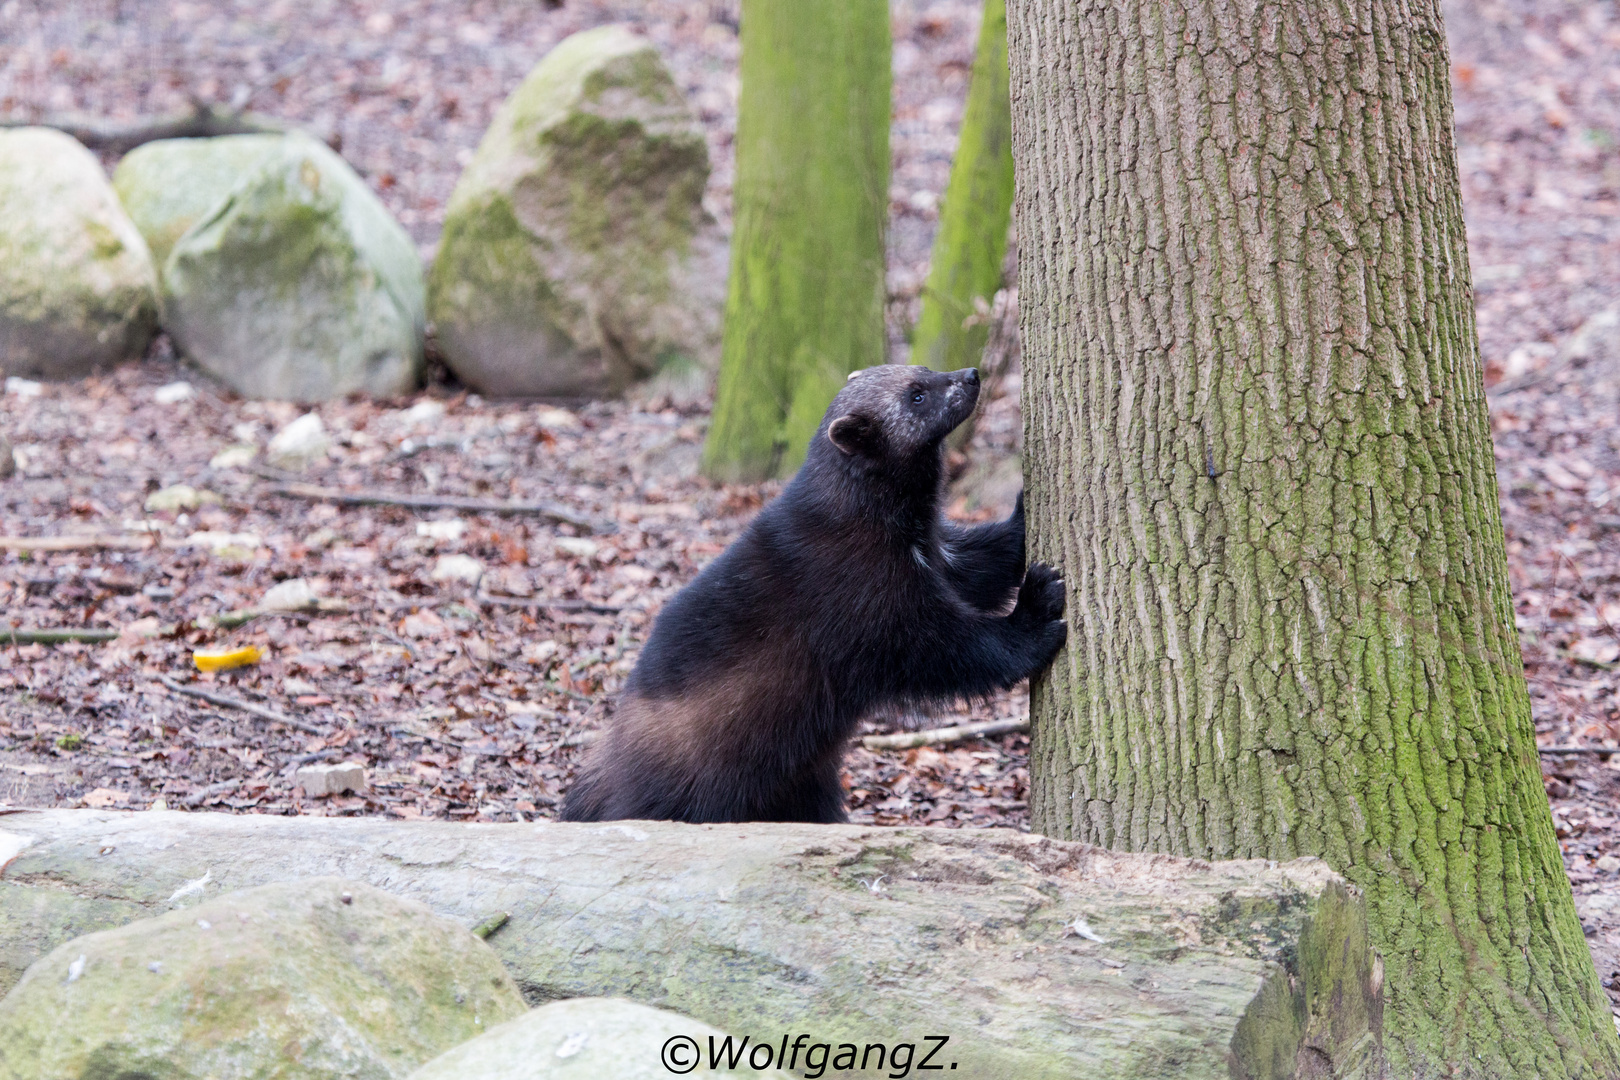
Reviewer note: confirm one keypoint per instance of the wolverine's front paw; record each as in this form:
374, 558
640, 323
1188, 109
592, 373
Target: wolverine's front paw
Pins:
1040, 598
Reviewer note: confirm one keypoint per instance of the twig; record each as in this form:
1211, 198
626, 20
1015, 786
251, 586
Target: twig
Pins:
549, 605
90, 542
204, 121
488, 927
550, 511
1578, 750
197, 798
937, 736
246, 706
54, 637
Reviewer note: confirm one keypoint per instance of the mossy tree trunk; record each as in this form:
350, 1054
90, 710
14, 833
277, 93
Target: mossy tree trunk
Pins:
1257, 446
965, 270
805, 302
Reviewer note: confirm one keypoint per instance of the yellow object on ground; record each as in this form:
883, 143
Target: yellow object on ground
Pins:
224, 659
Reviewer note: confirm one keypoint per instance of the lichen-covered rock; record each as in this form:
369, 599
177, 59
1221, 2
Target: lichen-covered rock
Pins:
595, 1039
318, 978
78, 291
169, 185
577, 257
298, 284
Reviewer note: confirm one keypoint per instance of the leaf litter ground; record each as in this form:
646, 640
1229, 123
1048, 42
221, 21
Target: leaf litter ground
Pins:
468, 700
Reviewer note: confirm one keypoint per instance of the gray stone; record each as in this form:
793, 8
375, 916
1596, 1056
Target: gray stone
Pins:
577, 257
1039, 958
169, 185
591, 1039
332, 779
78, 291
299, 445
298, 285
8, 461
305, 980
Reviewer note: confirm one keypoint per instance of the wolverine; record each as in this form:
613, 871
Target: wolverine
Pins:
849, 593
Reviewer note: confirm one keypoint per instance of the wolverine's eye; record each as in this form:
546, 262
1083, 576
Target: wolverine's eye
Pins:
918, 397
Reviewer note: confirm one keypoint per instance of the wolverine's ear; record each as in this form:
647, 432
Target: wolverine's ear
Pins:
853, 433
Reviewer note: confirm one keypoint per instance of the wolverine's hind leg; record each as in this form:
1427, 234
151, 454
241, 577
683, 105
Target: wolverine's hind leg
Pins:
815, 795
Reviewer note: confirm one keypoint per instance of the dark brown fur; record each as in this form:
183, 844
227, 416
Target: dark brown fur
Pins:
847, 594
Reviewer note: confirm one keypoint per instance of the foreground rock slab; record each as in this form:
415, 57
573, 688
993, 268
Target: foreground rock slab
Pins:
594, 1039
312, 979
78, 291
1037, 958
577, 257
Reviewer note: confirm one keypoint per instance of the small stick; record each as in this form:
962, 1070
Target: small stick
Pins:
91, 542
549, 605
1578, 749
488, 927
54, 637
246, 706
197, 798
550, 511
936, 736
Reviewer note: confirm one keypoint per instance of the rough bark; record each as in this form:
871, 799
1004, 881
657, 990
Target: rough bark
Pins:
1258, 448
964, 270
805, 296
847, 933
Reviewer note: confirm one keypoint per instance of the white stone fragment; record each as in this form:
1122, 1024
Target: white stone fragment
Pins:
332, 779
576, 546
458, 568
174, 393
295, 594
298, 445
451, 530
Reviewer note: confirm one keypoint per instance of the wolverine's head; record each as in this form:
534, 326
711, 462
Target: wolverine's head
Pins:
895, 412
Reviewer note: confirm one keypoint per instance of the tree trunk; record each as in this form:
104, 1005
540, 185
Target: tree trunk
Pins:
965, 269
805, 300
1035, 957
1257, 446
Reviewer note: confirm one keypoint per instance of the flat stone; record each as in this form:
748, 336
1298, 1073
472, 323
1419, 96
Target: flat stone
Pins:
303, 980
332, 779
598, 1039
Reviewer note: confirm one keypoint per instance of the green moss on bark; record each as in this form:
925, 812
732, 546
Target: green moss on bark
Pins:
965, 269
1258, 448
805, 302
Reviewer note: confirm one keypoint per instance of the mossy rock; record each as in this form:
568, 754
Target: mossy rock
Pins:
319, 978
298, 284
169, 185
596, 1038
78, 291
577, 258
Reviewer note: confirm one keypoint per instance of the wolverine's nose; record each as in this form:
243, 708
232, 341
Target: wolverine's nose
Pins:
970, 376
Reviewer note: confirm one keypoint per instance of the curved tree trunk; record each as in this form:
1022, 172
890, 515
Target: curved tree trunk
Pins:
805, 301
1258, 447
964, 271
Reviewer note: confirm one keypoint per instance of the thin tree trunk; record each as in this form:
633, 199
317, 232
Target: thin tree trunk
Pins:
1258, 448
965, 269
805, 303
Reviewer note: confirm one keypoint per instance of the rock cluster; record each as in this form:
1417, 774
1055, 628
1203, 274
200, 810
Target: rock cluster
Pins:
577, 257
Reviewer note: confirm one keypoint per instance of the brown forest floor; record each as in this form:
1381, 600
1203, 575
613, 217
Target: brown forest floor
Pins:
461, 700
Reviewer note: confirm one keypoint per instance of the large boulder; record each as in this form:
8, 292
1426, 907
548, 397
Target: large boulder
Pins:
169, 185
596, 1039
1038, 958
298, 284
308, 979
577, 257
78, 291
